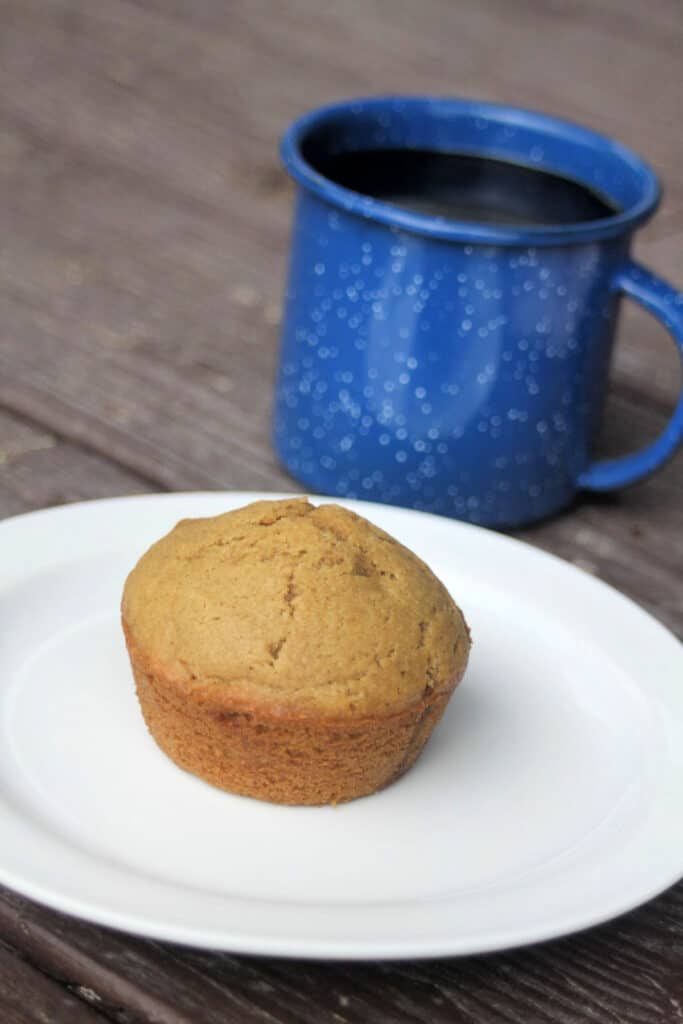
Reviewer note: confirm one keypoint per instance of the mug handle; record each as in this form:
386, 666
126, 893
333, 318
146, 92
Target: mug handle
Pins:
664, 302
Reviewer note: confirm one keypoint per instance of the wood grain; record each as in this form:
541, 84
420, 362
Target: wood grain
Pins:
144, 222
39, 469
48, 1000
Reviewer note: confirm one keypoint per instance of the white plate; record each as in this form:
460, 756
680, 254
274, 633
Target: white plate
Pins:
549, 798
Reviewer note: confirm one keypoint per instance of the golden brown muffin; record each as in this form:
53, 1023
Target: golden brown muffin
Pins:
289, 652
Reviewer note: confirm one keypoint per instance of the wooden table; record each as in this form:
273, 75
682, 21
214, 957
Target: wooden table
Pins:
142, 251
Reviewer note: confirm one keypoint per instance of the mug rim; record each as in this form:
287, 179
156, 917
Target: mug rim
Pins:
446, 229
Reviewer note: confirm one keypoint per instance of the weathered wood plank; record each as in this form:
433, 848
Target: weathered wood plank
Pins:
150, 980
161, 425
38, 469
28, 997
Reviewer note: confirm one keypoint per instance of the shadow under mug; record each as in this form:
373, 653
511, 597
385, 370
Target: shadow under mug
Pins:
458, 367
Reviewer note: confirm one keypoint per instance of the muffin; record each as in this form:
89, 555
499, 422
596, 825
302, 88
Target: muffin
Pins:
292, 653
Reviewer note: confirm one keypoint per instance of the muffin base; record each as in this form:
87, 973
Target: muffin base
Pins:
286, 761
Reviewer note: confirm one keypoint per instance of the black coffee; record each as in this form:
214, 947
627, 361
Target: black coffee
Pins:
458, 186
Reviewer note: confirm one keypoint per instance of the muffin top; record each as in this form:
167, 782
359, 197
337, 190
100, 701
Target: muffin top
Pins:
287, 608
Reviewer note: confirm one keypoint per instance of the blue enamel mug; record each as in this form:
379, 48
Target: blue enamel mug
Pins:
453, 364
